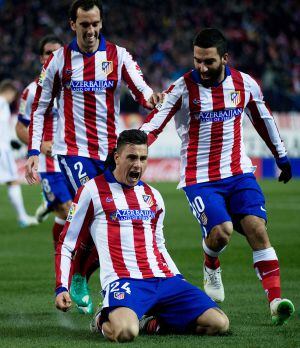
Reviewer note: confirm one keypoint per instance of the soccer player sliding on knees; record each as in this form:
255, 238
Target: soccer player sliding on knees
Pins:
125, 218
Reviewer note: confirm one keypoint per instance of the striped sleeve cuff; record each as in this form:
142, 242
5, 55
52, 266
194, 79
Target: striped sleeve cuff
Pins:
60, 289
33, 153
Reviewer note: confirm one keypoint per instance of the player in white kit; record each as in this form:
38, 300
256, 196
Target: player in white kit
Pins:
8, 167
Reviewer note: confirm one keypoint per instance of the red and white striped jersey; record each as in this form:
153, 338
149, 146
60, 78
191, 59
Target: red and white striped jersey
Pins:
126, 224
46, 164
209, 124
87, 88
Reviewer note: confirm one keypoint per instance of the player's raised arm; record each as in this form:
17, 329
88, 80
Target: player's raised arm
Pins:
264, 123
133, 77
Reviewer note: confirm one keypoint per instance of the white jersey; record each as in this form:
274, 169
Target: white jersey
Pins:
126, 224
8, 168
46, 164
5, 128
209, 124
87, 87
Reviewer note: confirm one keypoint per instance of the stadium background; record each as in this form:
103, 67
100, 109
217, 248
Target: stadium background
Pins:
264, 41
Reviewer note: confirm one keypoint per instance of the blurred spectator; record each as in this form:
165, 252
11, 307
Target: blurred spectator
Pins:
159, 33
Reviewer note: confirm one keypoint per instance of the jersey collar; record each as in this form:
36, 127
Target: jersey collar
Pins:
102, 46
111, 179
196, 76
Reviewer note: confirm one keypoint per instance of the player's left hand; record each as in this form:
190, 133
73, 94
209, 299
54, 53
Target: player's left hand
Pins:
155, 98
284, 164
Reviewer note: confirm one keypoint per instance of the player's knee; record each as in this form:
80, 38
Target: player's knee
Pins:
222, 324
255, 229
127, 332
212, 322
222, 234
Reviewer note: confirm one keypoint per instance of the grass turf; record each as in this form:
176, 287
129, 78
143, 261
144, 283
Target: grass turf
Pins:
28, 317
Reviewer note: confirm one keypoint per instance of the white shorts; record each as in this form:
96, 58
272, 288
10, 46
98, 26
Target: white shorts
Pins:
8, 167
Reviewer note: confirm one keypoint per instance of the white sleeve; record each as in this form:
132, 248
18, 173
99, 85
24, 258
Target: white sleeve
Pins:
43, 101
263, 120
26, 102
75, 231
160, 239
133, 77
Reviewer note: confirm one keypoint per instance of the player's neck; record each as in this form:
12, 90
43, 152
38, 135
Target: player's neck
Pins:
222, 75
89, 50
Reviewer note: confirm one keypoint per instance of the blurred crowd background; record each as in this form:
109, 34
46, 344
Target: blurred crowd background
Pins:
263, 36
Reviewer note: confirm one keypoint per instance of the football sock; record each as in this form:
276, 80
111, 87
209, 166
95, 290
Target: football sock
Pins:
211, 257
82, 255
56, 229
267, 269
92, 263
16, 198
211, 262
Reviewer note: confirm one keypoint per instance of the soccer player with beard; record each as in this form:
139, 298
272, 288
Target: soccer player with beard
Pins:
55, 189
125, 218
209, 104
85, 76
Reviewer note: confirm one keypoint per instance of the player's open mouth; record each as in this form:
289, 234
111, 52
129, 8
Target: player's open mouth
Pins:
134, 175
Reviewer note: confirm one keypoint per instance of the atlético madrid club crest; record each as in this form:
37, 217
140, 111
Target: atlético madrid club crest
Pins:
148, 199
107, 67
235, 97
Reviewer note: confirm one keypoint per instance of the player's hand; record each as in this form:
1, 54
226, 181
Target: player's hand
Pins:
31, 168
63, 301
46, 148
283, 163
155, 98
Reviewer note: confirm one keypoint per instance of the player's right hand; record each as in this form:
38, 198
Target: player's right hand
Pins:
63, 301
31, 168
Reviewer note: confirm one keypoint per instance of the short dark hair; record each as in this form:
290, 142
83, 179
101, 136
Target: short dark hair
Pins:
49, 39
211, 37
8, 84
131, 136
85, 5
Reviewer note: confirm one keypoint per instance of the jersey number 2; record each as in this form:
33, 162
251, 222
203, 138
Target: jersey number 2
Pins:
79, 167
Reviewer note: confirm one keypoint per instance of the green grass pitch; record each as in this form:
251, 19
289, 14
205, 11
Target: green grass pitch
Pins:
28, 317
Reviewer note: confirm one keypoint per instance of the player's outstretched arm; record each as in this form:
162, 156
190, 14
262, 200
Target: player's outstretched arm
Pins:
63, 301
31, 168
155, 98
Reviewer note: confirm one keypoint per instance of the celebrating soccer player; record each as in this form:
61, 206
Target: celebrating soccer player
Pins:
209, 104
85, 76
125, 218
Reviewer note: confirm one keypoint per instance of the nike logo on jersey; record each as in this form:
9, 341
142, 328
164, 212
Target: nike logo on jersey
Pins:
273, 270
262, 208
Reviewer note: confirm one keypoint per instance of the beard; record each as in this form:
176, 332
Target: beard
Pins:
213, 76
